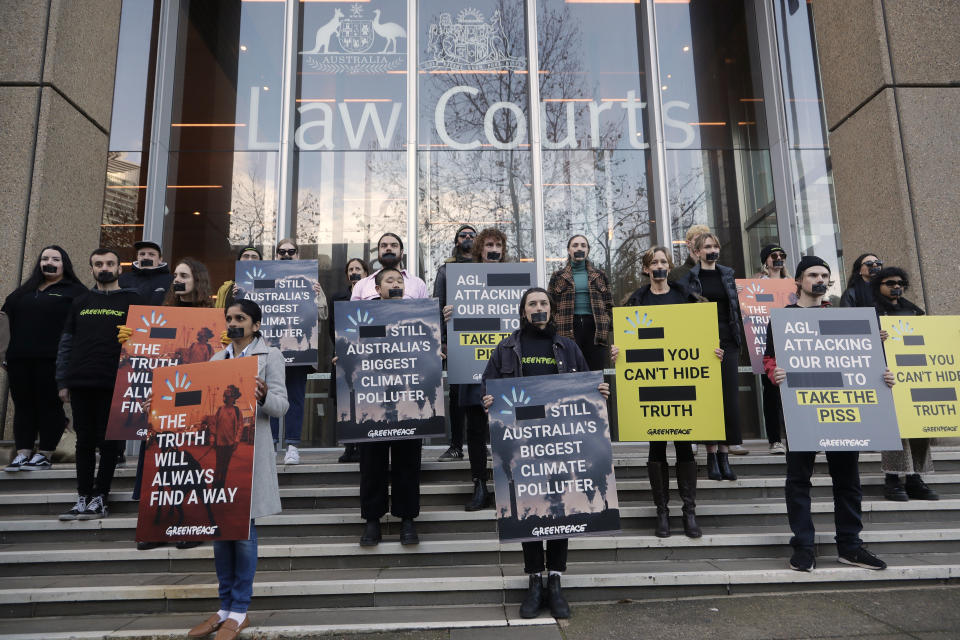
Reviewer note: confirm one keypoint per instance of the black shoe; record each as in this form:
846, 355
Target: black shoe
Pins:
893, 488
917, 489
559, 607
188, 544
371, 534
687, 483
862, 558
146, 546
713, 467
533, 601
408, 532
77, 509
452, 454
723, 461
481, 497
350, 453
803, 559
659, 478
96, 509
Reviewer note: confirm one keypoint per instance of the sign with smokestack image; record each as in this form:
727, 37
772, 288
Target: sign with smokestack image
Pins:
389, 370
198, 467
552, 458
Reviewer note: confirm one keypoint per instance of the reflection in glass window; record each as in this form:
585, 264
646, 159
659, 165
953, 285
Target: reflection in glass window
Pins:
122, 221
595, 144
474, 161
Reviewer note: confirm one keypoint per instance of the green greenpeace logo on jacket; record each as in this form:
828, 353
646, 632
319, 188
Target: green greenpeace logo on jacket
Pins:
103, 312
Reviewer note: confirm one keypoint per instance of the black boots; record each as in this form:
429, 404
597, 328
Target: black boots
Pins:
687, 482
893, 488
660, 488
713, 468
917, 489
351, 453
723, 462
533, 601
559, 607
481, 497
371, 534
408, 532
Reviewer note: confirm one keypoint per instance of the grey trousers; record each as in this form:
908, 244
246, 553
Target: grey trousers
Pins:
914, 459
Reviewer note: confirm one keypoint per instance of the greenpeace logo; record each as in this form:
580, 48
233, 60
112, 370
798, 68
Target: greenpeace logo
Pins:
668, 432
560, 529
939, 429
844, 442
381, 433
197, 530
103, 312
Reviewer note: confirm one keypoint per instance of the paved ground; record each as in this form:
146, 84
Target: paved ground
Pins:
929, 613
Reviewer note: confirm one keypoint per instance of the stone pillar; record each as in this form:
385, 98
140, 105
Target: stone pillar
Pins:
890, 71
57, 64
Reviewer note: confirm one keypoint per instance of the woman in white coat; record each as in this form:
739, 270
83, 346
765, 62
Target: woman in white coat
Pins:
236, 560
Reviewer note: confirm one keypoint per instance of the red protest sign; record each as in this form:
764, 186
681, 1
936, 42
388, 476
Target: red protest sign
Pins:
757, 297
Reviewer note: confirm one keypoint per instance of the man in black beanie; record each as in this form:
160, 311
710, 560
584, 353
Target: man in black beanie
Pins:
149, 274
462, 246
812, 277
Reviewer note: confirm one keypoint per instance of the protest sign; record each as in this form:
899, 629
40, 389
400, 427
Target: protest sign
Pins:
758, 296
923, 352
389, 370
834, 397
486, 309
668, 375
284, 291
162, 337
552, 459
198, 467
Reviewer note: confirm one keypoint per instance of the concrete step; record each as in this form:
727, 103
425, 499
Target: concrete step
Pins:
452, 494
116, 594
452, 549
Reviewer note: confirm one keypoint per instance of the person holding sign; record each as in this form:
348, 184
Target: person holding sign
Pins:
717, 283
355, 270
773, 260
657, 264
858, 292
37, 311
236, 560
584, 302
389, 254
228, 290
888, 286
535, 349
813, 276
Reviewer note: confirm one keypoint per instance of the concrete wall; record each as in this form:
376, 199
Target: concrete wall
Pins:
891, 81
57, 64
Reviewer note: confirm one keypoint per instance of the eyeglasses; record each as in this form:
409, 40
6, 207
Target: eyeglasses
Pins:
873, 263
775, 255
894, 283
467, 234
287, 252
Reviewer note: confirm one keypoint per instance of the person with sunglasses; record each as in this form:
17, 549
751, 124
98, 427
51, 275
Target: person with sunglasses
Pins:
888, 287
859, 293
773, 261
462, 252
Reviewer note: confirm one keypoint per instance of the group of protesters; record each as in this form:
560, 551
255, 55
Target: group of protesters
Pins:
64, 346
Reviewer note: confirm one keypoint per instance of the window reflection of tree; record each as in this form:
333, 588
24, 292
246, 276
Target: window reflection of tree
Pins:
249, 217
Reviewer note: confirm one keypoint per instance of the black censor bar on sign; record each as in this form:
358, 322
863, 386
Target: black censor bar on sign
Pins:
844, 328
765, 297
476, 324
942, 394
668, 394
815, 379
508, 279
911, 360
535, 412
644, 355
913, 341
165, 333
373, 331
187, 398
264, 284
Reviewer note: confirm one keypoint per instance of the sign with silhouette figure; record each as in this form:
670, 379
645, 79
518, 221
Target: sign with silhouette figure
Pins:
759, 296
389, 373
198, 467
552, 458
162, 337
284, 291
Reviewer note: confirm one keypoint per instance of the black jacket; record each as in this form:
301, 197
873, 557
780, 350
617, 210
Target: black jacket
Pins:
691, 283
89, 353
905, 308
152, 283
859, 294
505, 361
37, 319
639, 297
440, 283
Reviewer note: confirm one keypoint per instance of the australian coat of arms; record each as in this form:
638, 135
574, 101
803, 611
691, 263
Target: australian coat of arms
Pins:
356, 44
470, 43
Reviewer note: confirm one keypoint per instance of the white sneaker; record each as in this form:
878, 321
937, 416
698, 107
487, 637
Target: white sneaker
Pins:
777, 449
693, 447
292, 456
739, 450
17, 463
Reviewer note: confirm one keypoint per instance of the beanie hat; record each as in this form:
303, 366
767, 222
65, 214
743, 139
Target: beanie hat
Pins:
461, 228
767, 250
810, 261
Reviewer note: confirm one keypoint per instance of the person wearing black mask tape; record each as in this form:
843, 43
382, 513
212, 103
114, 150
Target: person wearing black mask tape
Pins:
888, 287
858, 292
584, 302
37, 311
355, 270
149, 274
773, 260
812, 278
87, 360
489, 247
462, 252
535, 349
717, 283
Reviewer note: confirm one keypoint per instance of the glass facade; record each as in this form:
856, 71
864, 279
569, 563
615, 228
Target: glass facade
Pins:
333, 122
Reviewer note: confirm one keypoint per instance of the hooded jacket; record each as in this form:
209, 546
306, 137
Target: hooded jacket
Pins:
152, 282
691, 283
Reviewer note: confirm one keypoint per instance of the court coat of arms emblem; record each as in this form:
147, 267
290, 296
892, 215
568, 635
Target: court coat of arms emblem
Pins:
357, 43
470, 43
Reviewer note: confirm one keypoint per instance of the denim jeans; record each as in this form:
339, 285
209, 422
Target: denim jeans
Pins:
847, 495
236, 563
293, 421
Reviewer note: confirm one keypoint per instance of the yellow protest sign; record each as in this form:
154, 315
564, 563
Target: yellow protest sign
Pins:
923, 352
668, 376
